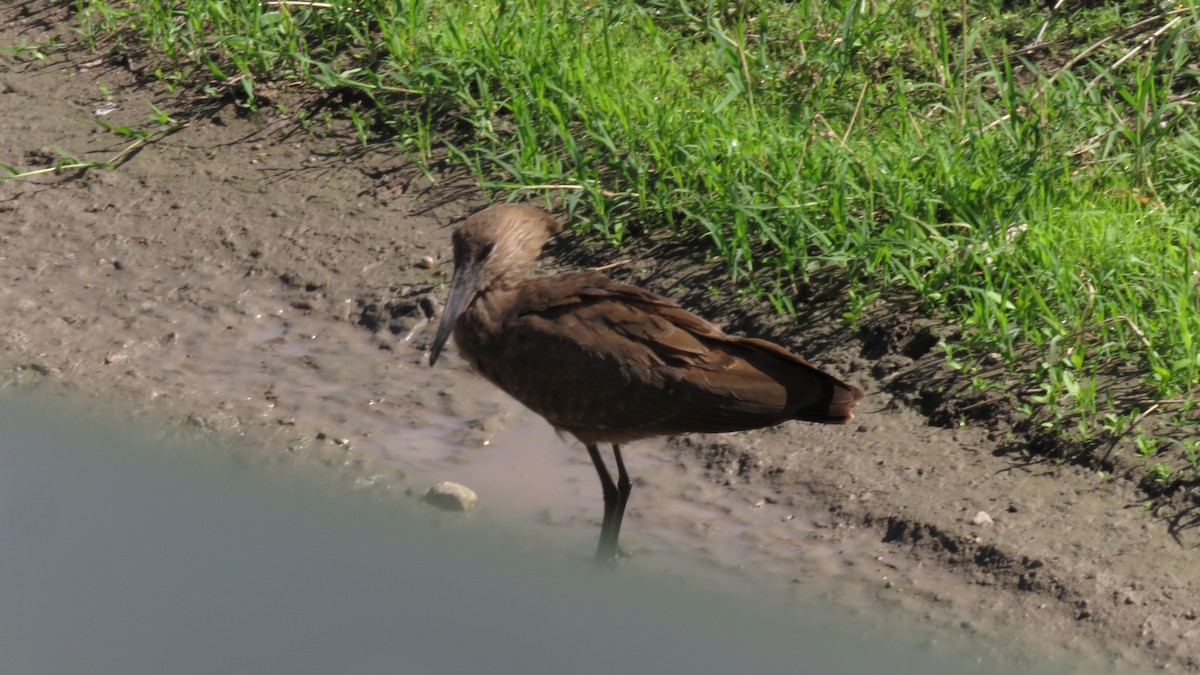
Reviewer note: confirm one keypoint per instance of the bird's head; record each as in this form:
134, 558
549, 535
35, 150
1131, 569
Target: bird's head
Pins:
493, 248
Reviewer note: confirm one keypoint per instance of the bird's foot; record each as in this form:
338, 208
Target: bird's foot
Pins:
610, 560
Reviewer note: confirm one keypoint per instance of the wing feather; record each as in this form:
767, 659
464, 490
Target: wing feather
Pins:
610, 362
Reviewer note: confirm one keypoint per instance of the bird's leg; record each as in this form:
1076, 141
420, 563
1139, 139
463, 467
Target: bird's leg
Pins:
606, 550
624, 487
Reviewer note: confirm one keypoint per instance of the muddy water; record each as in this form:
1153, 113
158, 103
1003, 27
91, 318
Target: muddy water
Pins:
539, 492
124, 558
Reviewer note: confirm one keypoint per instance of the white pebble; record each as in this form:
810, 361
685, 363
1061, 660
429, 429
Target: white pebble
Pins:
449, 496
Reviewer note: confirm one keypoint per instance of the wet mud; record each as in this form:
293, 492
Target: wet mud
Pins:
243, 278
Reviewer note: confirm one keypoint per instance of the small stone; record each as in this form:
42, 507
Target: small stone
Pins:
425, 262
449, 496
982, 519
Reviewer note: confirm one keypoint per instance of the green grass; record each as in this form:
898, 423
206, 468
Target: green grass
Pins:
1044, 198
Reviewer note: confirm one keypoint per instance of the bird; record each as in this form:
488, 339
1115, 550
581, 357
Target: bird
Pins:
611, 363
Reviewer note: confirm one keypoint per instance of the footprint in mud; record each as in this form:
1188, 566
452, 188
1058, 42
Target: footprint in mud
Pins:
403, 313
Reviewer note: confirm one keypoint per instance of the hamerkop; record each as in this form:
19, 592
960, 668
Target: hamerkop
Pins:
611, 363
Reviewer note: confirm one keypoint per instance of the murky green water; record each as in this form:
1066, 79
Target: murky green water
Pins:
116, 557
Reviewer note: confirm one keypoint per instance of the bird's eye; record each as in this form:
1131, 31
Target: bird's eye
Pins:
487, 250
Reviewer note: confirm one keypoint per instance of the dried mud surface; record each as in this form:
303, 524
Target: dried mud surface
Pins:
240, 277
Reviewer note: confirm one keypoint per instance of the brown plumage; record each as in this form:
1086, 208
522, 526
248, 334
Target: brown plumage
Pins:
612, 363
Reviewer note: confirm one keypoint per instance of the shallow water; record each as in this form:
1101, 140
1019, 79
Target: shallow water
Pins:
120, 557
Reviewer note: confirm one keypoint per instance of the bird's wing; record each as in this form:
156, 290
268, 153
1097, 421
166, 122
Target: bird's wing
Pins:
618, 362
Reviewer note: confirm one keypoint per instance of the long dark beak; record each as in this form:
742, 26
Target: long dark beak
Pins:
462, 288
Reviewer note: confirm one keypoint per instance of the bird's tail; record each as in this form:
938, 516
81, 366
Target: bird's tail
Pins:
835, 406
813, 394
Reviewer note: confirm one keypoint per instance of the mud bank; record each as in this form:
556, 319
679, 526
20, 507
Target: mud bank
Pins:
239, 277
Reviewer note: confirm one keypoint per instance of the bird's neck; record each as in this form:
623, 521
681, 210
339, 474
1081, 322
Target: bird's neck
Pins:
483, 320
